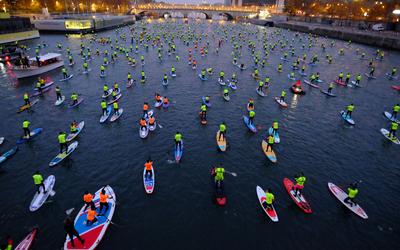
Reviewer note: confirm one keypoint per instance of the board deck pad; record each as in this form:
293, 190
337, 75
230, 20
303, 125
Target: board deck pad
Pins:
221, 142
64, 154
40, 198
149, 183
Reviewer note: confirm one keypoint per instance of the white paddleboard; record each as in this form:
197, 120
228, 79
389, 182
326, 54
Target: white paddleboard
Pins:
115, 117
262, 198
143, 131
40, 198
59, 101
64, 154
71, 136
149, 183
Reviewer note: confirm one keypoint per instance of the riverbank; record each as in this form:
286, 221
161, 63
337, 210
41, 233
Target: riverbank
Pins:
386, 39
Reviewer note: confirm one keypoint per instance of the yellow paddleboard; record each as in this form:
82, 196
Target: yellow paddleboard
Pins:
221, 142
270, 153
27, 106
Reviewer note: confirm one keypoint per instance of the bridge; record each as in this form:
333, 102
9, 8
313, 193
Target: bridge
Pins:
209, 10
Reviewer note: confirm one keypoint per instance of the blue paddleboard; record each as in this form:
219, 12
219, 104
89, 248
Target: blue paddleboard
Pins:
250, 126
32, 134
207, 104
178, 152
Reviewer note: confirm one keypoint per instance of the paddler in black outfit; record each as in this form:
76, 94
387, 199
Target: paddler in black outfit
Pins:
71, 231
352, 193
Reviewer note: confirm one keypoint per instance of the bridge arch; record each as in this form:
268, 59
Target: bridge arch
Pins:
230, 17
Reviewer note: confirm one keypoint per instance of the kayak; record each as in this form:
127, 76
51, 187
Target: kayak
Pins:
45, 86
250, 126
390, 76
92, 234
39, 198
207, 104
116, 99
389, 116
32, 134
227, 98
203, 119
221, 142
108, 93
7, 154
312, 85
300, 200
260, 93
262, 199
38, 93
26, 243
64, 154
165, 83
28, 106
270, 154
76, 104
248, 107
158, 104
370, 77
221, 82
59, 101
148, 182
204, 79
392, 138
165, 105
282, 103
219, 191
105, 116
347, 118
144, 132
341, 196
328, 94
276, 135
178, 152
71, 136
297, 90
116, 116
66, 79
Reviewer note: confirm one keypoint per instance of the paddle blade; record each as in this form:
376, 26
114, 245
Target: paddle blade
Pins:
69, 211
234, 174
259, 127
52, 193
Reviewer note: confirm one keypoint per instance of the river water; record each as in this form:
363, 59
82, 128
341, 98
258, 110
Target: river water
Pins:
182, 212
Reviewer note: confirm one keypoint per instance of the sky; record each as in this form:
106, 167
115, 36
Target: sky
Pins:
192, 2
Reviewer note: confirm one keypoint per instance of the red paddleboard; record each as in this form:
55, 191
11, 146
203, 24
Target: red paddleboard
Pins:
277, 99
395, 87
300, 200
339, 82
312, 85
27, 242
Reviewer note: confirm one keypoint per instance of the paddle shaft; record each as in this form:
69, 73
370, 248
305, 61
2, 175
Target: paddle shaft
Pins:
352, 183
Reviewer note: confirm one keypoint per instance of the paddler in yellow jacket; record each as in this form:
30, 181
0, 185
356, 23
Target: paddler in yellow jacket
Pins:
352, 193
300, 184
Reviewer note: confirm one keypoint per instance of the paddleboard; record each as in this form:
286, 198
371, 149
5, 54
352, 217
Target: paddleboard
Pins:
312, 85
1, 140
153, 126
279, 70
250, 126
348, 119
204, 79
390, 76
287, 60
241, 67
389, 116
302, 73
38, 93
76, 104
86, 71
341, 196
172, 74
32, 134
210, 73
263, 198
386, 134
221, 142
149, 183
270, 154
227, 98
92, 234
105, 116
116, 99
115, 117
260, 93
28, 106
207, 104
357, 85
256, 77
232, 86
178, 152
129, 84
7, 154
26, 243
282, 103
66, 79
295, 68
59, 101
300, 200
219, 192
39, 199
276, 135
108, 93
248, 107
339, 82
370, 77
143, 132
158, 104
64, 154
71, 136
221, 82
395, 87
328, 94
103, 75
45, 86
165, 105
291, 78
71, 64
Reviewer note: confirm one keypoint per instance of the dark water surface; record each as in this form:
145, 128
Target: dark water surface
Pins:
182, 212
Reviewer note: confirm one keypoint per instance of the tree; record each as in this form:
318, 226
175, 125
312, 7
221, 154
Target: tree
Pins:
291, 7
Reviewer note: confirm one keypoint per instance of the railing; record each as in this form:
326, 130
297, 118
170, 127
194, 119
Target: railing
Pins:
199, 7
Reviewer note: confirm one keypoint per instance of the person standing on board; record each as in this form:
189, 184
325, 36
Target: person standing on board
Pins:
349, 110
39, 182
395, 110
26, 99
275, 126
64, 73
251, 116
283, 96
299, 185
393, 130
63, 142
71, 231
145, 107
222, 131
219, 175
90, 216
269, 201
74, 97
149, 166
352, 193
394, 71
178, 140
270, 139
58, 92
103, 201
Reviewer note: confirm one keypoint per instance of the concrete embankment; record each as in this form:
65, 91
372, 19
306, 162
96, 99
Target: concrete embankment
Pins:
373, 39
